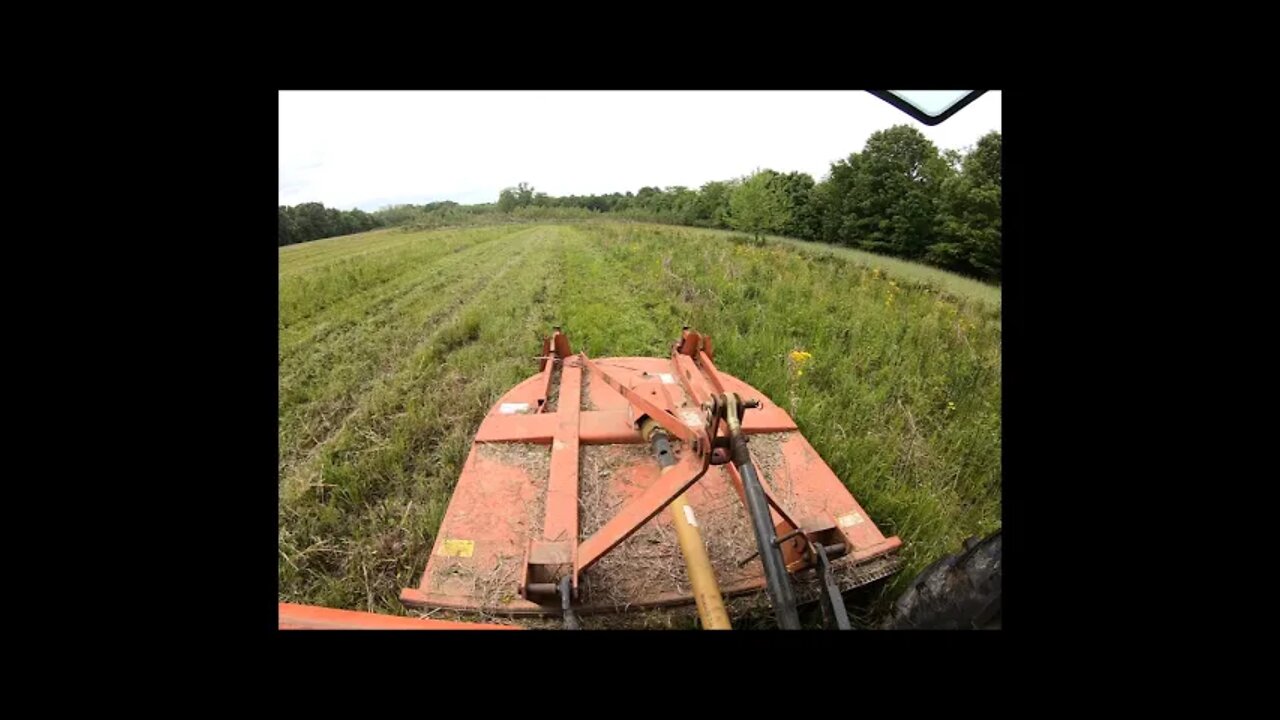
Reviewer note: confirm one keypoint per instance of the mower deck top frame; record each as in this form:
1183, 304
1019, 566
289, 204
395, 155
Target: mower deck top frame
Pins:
560, 482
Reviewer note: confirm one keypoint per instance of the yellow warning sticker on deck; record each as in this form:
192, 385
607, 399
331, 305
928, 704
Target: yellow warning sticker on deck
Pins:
457, 548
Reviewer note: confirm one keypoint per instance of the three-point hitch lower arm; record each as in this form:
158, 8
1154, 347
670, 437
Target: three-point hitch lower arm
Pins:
778, 583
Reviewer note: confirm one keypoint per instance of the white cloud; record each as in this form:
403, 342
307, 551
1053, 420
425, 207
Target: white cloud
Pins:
369, 149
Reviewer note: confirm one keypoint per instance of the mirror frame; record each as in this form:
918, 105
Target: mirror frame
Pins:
921, 115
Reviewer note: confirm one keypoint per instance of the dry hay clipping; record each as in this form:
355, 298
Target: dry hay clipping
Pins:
650, 561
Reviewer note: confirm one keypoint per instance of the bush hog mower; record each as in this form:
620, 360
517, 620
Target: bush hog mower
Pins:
559, 509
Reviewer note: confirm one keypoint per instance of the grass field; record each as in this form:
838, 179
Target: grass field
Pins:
947, 282
393, 346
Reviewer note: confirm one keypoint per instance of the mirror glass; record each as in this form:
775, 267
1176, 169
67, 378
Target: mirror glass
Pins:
932, 102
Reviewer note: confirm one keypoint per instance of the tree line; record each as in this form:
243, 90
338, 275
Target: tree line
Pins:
312, 221
899, 196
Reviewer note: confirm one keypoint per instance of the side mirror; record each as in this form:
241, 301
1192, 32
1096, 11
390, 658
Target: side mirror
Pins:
928, 106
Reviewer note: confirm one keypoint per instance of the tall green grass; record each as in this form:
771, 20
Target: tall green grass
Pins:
943, 280
396, 345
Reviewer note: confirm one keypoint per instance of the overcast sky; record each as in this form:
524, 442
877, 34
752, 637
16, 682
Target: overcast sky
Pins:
371, 149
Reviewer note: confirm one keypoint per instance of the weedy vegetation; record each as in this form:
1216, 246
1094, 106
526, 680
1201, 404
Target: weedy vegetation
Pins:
394, 345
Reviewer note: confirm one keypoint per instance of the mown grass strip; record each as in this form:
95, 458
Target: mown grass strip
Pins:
319, 390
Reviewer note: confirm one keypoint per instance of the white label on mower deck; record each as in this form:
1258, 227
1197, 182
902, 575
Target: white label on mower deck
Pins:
851, 519
513, 408
667, 378
691, 418
688, 515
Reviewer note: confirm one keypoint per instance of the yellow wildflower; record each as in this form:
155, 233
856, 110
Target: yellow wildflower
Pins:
796, 360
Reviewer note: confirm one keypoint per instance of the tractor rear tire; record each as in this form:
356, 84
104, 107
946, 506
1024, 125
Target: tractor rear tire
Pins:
958, 592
